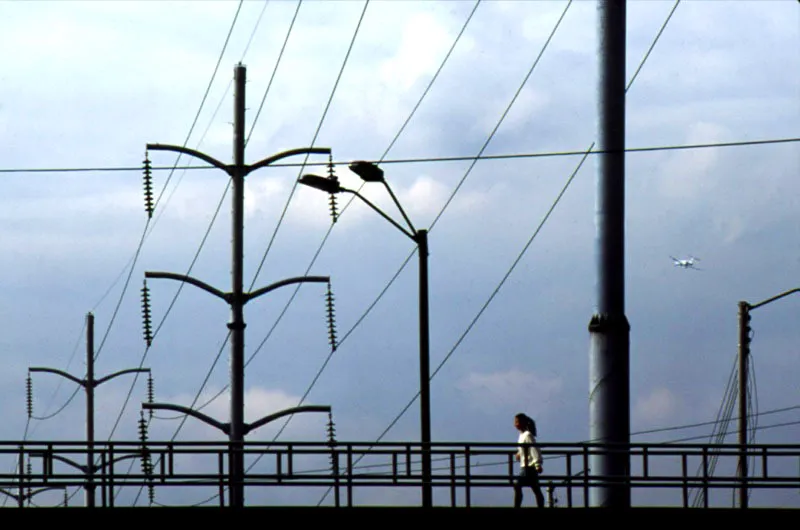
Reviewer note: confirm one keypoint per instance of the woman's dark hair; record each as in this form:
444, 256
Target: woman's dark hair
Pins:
527, 423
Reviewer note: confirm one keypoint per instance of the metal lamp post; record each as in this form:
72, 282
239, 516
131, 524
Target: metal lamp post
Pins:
371, 173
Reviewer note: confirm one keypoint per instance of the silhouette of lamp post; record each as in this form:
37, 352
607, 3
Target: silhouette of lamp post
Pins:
371, 173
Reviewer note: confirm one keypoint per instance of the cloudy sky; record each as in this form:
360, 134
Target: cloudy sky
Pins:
89, 84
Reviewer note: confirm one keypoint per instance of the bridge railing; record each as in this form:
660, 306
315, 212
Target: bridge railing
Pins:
684, 475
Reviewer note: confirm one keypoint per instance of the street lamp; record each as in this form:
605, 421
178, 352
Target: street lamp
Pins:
369, 172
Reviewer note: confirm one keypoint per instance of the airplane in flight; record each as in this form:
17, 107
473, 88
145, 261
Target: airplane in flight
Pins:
688, 263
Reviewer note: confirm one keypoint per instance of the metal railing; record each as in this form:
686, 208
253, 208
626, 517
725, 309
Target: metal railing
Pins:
465, 471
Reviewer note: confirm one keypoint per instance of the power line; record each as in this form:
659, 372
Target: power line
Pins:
724, 415
171, 305
52, 397
530, 240
163, 320
502, 117
205, 96
191, 129
208, 231
274, 71
461, 182
60, 382
291, 194
419, 160
144, 234
324, 239
585, 154
663, 429
715, 422
313, 141
255, 28
266, 92
430, 83
252, 128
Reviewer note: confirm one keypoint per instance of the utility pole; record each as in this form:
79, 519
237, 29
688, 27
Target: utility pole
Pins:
89, 384
744, 354
609, 380
744, 358
237, 297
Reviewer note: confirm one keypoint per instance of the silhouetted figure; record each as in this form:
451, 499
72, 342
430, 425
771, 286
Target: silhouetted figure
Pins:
530, 460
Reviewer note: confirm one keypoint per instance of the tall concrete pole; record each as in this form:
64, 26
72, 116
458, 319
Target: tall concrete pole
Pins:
609, 387
237, 302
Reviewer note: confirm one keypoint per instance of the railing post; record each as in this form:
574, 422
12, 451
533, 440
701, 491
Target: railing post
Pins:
569, 481
467, 474
705, 476
336, 495
452, 480
104, 479
585, 476
220, 472
685, 488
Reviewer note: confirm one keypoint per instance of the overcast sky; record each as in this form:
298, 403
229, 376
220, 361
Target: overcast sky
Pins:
89, 84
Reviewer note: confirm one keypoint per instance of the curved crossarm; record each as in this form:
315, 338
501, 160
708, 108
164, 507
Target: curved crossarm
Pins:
121, 372
284, 154
224, 427
64, 459
118, 459
283, 283
58, 372
32, 494
187, 151
189, 279
294, 410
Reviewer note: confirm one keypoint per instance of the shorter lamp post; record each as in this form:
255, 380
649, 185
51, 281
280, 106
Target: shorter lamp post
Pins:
371, 173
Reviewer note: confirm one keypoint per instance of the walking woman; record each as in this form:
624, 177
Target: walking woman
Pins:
530, 460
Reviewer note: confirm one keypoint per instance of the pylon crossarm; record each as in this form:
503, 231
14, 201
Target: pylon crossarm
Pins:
224, 427
58, 372
33, 492
189, 279
283, 283
285, 154
121, 372
294, 410
81, 468
9, 494
137, 454
42, 490
187, 151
